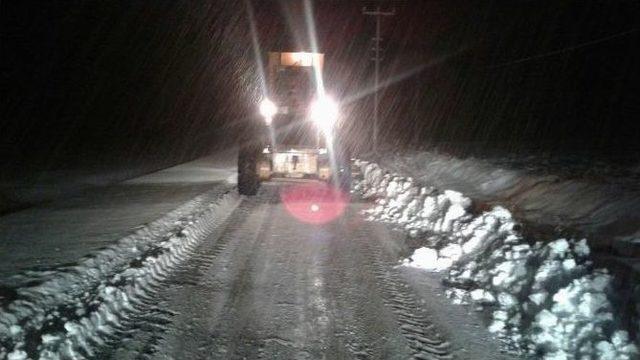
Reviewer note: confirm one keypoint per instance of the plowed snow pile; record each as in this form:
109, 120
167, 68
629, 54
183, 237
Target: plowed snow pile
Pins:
69, 312
597, 197
545, 298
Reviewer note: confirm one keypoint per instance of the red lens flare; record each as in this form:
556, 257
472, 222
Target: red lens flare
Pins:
315, 203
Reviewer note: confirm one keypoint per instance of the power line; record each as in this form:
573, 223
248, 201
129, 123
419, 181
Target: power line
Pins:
567, 49
376, 59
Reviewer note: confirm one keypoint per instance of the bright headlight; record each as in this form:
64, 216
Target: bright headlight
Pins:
324, 112
268, 109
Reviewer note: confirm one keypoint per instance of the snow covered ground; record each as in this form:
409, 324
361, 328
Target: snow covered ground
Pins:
543, 297
70, 228
598, 198
33, 187
175, 262
74, 263
217, 275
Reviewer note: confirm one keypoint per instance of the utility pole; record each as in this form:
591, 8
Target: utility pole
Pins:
378, 13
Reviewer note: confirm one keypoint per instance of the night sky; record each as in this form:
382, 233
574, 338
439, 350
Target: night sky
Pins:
141, 80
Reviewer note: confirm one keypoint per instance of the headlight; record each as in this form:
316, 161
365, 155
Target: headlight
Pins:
268, 109
324, 112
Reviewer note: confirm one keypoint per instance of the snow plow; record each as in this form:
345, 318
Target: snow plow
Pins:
298, 135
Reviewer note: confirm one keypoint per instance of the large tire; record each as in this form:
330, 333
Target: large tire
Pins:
248, 179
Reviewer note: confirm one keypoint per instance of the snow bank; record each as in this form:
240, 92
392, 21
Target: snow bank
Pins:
595, 197
70, 311
545, 299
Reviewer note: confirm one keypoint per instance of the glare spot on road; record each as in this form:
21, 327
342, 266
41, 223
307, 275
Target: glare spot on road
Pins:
314, 203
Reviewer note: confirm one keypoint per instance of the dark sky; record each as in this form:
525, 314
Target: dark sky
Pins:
139, 79
555, 75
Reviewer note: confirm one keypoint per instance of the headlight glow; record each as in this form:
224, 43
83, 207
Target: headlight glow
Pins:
324, 113
268, 109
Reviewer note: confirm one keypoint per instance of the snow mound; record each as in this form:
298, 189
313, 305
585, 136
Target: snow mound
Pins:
595, 197
72, 310
545, 299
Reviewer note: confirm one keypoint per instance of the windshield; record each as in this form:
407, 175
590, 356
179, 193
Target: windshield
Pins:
294, 90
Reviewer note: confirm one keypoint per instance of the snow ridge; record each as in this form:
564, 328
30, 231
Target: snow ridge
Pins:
591, 196
71, 311
545, 299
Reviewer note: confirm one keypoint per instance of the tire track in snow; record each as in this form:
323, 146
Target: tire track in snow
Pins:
422, 336
216, 290
351, 324
245, 337
145, 329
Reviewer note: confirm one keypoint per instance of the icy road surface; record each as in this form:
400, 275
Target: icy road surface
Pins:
267, 285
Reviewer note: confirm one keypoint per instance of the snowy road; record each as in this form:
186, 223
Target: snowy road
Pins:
265, 285
143, 269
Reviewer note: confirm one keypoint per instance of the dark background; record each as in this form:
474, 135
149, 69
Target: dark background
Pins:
136, 81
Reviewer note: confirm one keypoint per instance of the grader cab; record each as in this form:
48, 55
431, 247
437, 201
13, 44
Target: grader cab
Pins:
298, 136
